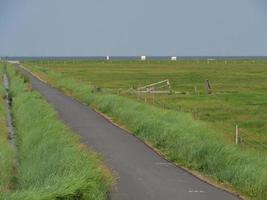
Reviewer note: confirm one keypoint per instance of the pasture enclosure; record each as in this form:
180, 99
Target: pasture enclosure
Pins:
235, 93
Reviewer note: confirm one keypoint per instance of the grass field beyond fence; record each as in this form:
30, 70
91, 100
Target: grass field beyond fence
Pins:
183, 139
239, 90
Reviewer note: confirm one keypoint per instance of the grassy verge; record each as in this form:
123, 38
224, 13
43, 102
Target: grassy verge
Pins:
182, 139
6, 150
52, 162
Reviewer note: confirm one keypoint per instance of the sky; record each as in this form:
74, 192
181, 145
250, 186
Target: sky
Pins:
133, 27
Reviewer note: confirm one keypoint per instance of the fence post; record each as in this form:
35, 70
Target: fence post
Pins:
208, 87
236, 134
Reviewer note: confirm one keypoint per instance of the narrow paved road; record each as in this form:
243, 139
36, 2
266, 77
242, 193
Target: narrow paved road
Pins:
142, 174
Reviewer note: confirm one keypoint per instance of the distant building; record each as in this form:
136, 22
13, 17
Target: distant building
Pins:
107, 58
173, 58
210, 59
143, 57
13, 62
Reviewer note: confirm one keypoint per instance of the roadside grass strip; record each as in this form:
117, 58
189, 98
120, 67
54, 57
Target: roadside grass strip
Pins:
178, 136
7, 153
52, 162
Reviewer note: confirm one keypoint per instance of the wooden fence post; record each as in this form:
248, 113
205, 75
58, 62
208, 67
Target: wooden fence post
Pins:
208, 87
236, 134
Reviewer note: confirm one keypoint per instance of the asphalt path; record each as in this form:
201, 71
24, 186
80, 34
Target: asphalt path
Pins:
141, 173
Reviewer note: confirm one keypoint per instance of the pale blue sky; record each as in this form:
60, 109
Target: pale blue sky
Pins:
133, 27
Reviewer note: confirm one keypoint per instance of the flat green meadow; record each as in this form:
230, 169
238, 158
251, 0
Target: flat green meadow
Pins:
239, 90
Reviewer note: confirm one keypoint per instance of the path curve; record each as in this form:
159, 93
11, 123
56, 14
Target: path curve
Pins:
142, 174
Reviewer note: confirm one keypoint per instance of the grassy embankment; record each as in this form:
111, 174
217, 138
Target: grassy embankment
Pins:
7, 153
181, 138
52, 162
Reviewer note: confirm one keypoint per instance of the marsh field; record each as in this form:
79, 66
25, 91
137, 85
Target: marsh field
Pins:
239, 90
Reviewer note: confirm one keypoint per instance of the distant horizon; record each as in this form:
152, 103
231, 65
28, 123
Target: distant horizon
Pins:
133, 57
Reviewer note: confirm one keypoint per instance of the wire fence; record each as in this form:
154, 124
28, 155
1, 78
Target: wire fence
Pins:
244, 138
250, 140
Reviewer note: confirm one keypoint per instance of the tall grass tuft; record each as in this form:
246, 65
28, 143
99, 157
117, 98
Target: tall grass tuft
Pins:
182, 139
6, 150
52, 162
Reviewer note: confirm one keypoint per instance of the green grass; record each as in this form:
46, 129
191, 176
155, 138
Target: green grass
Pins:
184, 140
239, 86
6, 150
52, 162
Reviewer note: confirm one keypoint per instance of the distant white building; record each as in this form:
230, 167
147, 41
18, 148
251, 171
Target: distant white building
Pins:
107, 58
210, 59
13, 62
174, 58
143, 57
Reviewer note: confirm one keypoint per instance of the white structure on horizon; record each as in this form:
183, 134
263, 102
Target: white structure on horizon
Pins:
210, 59
174, 58
13, 61
107, 58
143, 58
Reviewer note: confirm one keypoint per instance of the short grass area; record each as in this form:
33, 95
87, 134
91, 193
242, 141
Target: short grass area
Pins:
53, 164
196, 144
239, 90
